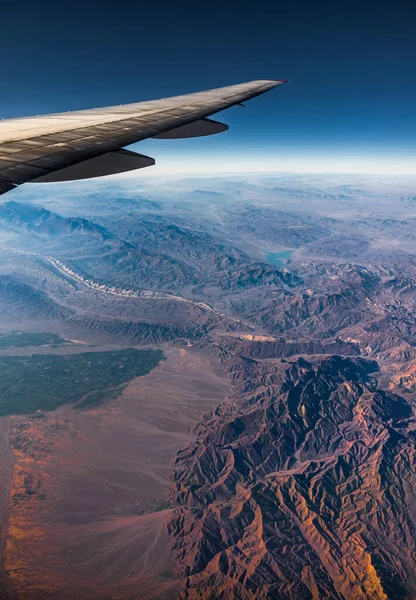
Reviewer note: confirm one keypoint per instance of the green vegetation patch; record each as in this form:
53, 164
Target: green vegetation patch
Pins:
20, 339
44, 382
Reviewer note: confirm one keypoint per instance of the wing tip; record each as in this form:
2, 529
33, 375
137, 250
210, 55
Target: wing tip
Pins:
271, 82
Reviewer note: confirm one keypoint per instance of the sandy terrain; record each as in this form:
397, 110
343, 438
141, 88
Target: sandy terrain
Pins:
73, 531
6, 471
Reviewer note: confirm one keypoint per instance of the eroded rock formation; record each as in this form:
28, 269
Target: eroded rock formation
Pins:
300, 486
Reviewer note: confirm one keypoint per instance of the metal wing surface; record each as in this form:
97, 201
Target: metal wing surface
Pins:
89, 143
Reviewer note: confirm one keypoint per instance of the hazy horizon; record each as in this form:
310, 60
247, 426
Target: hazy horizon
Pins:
348, 105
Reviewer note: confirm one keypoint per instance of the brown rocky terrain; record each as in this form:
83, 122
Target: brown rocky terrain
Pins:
300, 486
282, 420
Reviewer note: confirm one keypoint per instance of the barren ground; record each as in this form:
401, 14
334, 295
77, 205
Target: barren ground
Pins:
78, 477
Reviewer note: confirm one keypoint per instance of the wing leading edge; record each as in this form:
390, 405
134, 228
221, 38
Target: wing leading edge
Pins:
84, 143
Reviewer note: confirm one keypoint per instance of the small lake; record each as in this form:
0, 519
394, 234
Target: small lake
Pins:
279, 259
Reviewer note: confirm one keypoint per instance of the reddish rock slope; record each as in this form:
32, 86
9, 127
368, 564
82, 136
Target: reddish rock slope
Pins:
301, 486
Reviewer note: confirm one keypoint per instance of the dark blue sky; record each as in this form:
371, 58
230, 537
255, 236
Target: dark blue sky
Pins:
351, 66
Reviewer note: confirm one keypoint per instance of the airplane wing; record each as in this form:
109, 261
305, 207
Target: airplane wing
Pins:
89, 143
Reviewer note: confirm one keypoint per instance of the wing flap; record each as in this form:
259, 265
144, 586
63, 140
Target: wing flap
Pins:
5, 187
106, 164
198, 128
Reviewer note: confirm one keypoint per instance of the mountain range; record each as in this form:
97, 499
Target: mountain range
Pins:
294, 296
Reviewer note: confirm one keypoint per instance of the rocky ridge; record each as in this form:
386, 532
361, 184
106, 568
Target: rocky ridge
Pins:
299, 486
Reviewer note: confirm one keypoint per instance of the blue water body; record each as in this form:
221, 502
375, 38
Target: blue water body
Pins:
279, 259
